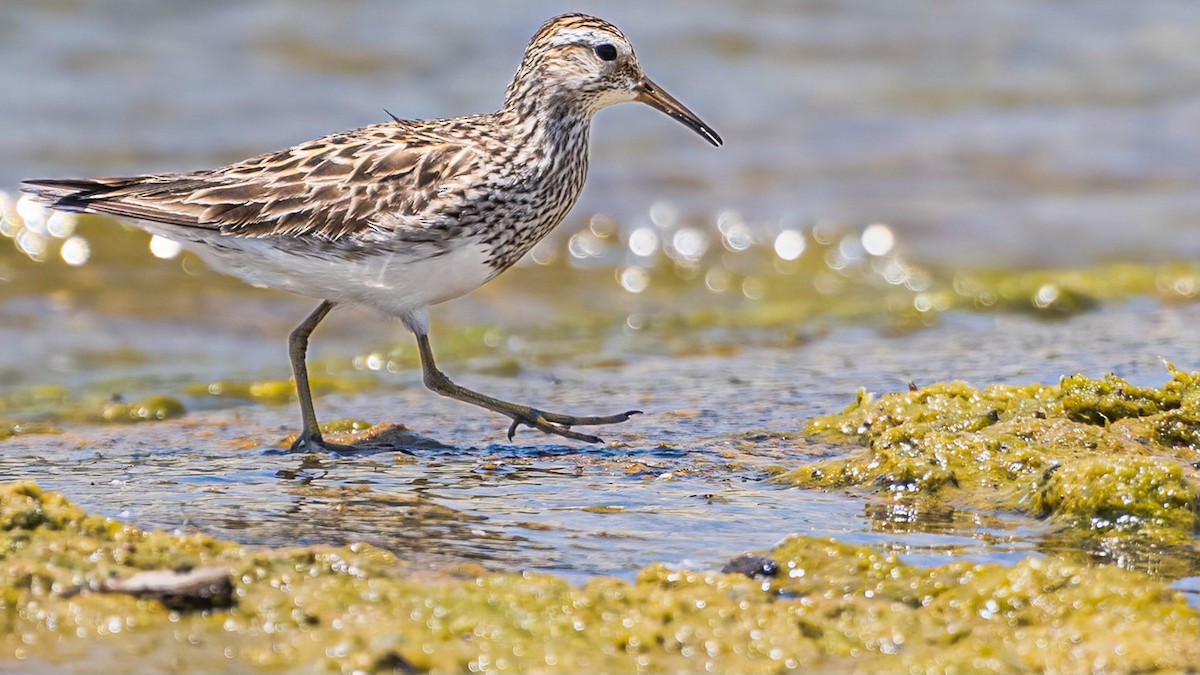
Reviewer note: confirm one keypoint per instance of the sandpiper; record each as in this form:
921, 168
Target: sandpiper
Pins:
403, 215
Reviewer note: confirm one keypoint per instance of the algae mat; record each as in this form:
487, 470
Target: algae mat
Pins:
1112, 467
808, 605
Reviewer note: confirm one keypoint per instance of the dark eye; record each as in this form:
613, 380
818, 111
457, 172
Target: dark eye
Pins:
606, 52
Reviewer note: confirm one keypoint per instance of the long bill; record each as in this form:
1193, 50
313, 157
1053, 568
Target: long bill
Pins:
653, 95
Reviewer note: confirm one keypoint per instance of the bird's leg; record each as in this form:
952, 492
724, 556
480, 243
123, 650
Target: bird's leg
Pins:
310, 437
548, 422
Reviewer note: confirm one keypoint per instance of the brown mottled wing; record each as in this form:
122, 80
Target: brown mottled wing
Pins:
328, 189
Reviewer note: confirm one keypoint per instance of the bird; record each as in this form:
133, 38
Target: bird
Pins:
402, 215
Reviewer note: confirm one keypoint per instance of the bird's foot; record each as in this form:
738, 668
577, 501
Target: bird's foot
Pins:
314, 442
559, 424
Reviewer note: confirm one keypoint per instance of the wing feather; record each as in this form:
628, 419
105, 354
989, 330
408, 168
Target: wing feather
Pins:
330, 189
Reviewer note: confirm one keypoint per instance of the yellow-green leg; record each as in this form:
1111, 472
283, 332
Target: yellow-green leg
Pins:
310, 437
548, 422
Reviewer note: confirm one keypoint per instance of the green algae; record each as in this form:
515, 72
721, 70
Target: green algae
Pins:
279, 392
148, 409
1097, 456
1040, 615
38, 399
832, 607
9, 428
345, 426
41, 409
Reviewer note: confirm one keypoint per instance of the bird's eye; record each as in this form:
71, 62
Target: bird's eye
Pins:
606, 52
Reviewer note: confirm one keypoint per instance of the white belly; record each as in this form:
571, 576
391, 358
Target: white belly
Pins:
392, 283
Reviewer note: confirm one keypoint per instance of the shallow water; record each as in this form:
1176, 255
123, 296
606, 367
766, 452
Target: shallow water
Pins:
1035, 133
686, 483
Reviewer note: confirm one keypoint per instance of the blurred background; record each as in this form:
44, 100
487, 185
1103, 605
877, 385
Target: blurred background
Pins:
1016, 133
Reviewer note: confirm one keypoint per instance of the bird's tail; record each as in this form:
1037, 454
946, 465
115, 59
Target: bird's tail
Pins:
75, 194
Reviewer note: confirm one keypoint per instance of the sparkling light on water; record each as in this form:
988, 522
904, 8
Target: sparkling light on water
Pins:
634, 279
790, 244
877, 239
164, 248
584, 245
32, 227
543, 253
735, 233
602, 226
850, 249
643, 242
736, 256
31, 244
689, 243
1045, 296
664, 215
75, 251
753, 288
32, 213
61, 225
717, 280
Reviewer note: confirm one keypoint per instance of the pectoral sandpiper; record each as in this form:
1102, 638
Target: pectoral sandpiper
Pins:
406, 214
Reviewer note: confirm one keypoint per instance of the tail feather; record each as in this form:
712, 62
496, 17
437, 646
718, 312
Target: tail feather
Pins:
123, 197
71, 194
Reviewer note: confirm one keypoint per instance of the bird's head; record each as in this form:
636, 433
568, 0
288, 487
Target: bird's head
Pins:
589, 63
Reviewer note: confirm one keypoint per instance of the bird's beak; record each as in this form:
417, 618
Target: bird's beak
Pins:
650, 93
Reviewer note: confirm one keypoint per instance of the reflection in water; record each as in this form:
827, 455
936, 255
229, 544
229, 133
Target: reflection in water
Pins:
507, 508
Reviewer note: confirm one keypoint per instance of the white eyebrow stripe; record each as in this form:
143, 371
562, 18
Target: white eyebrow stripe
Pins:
575, 36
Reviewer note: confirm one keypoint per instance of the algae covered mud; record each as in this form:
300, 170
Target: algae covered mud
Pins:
807, 605
918, 350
